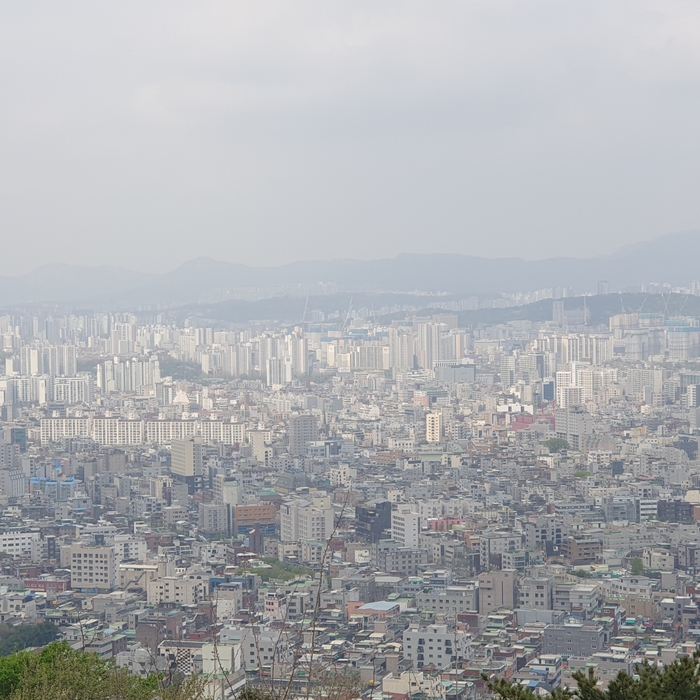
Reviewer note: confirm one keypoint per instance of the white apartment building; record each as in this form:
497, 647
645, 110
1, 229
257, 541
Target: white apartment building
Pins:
55, 429
266, 646
13, 482
435, 645
130, 548
213, 518
405, 525
18, 604
217, 431
116, 431
74, 390
165, 431
403, 443
342, 475
301, 519
17, 542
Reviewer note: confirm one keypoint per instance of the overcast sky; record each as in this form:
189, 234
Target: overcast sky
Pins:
144, 134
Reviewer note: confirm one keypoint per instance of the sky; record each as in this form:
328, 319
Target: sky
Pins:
144, 134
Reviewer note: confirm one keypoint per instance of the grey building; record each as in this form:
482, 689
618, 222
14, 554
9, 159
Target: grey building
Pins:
303, 429
536, 593
213, 518
573, 639
450, 600
388, 557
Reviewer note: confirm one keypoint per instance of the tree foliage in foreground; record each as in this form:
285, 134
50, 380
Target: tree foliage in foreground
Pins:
14, 639
677, 681
58, 672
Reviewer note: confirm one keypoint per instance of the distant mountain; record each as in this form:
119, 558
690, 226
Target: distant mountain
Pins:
672, 258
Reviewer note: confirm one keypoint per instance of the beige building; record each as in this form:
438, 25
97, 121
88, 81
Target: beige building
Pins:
186, 462
173, 589
92, 566
186, 457
496, 590
260, 445
658, 560
433, 427
138, 575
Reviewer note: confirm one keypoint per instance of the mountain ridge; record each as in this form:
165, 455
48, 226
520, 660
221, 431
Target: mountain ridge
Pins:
670, 258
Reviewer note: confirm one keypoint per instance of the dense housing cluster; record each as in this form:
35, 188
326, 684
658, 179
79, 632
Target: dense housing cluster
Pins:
410, 500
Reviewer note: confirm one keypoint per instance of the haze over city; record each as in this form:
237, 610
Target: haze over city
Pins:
350, 350
143, 135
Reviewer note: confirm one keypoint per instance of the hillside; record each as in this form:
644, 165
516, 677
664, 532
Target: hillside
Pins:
670, 259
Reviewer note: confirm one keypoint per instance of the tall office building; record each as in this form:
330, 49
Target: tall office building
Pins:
54, 360
508, 363
428, 344
9, 454
186, 462
299, 352
573, 424
279, 371
303, 429
401, 349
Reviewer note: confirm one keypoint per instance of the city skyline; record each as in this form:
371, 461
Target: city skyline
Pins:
350, 351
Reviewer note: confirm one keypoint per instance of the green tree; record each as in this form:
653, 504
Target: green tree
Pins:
61, 673
677, 681
636, 566
513, 691
281, 570
14, 639
12, 668
556, 445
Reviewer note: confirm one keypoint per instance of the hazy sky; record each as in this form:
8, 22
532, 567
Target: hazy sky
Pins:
144, 134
